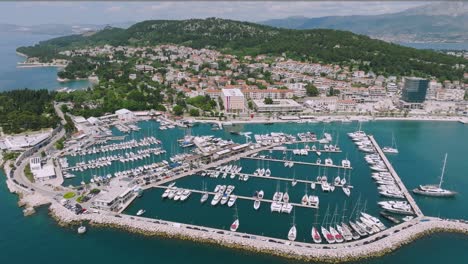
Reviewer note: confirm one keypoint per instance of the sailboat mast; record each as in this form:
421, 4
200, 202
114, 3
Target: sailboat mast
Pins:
443, 171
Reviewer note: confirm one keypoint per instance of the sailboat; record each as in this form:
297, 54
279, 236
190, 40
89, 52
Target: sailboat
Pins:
326, 234
235, 224
293, 231
314, 233
305, 198
435, 190
294, 181
393, 149
338, 236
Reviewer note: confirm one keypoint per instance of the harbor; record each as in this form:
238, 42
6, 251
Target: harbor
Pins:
206, 165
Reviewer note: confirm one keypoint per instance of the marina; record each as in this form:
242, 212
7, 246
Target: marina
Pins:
187, 169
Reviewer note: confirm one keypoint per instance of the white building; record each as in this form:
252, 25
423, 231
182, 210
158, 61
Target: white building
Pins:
233, 100
278, 105
41, 172
125, 115
111, 200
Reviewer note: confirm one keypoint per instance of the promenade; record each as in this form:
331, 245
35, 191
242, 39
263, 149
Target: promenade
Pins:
397, 179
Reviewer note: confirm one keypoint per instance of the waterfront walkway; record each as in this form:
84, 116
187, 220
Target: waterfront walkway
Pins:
395, 176
299, 162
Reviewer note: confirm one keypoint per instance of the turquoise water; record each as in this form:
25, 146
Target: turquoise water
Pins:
421, 144
32, 78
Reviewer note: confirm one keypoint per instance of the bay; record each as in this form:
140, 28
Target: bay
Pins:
33, 78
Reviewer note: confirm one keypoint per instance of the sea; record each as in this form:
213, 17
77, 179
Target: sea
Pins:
422, 146
12, 77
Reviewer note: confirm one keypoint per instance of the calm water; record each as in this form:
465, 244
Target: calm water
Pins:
32, 78
421, 144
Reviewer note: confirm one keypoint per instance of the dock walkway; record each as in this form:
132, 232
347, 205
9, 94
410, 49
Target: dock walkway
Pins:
299, 162
282, 179
395, 176
242, 197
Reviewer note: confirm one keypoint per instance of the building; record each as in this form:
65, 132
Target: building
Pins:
414, 90
233, 100
125, 115
278, 105
257, 94
113, 199
42, 172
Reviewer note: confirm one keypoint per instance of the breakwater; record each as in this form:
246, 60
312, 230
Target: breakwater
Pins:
376, 245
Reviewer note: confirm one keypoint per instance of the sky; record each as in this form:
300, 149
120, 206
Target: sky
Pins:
80, 12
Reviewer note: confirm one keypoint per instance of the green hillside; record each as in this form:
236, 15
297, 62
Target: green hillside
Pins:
242, 38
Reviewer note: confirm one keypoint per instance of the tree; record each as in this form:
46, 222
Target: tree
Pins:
194, 112
268, 101
178, 110
311, 90
250, 104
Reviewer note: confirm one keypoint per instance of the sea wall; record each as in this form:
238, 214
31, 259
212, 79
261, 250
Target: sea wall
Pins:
388, 242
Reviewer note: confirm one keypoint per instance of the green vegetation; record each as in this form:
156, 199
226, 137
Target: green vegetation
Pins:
60, 144
69, 195
203, 102
178, 110
79, 199
311, 90
194, 112
10, 155
28, 173
95, 191
23, 110
242, 38
268, 101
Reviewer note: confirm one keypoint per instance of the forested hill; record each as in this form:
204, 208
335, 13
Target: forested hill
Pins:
242, 38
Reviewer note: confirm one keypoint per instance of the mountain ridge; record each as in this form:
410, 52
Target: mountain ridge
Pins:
437, 22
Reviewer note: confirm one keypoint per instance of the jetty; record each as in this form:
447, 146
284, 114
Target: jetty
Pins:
242, 197
397, 178
374, 245
300, 162
283, 179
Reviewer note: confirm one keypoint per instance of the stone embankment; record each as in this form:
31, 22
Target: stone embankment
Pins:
376, 245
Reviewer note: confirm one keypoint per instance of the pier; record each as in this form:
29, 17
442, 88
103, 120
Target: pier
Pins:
282, 179
300, 162
397, 179
309, 150
239, 197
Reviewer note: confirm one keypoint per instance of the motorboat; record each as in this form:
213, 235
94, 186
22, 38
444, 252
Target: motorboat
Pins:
232, 200
140, 212
235, 225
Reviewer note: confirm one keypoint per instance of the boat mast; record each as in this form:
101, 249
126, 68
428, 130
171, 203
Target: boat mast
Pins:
443, 171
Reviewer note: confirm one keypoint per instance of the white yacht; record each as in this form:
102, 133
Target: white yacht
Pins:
185, 195
435, 190
204, 197
216, 199
81, 229
232, 200
261, 194
256, 204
